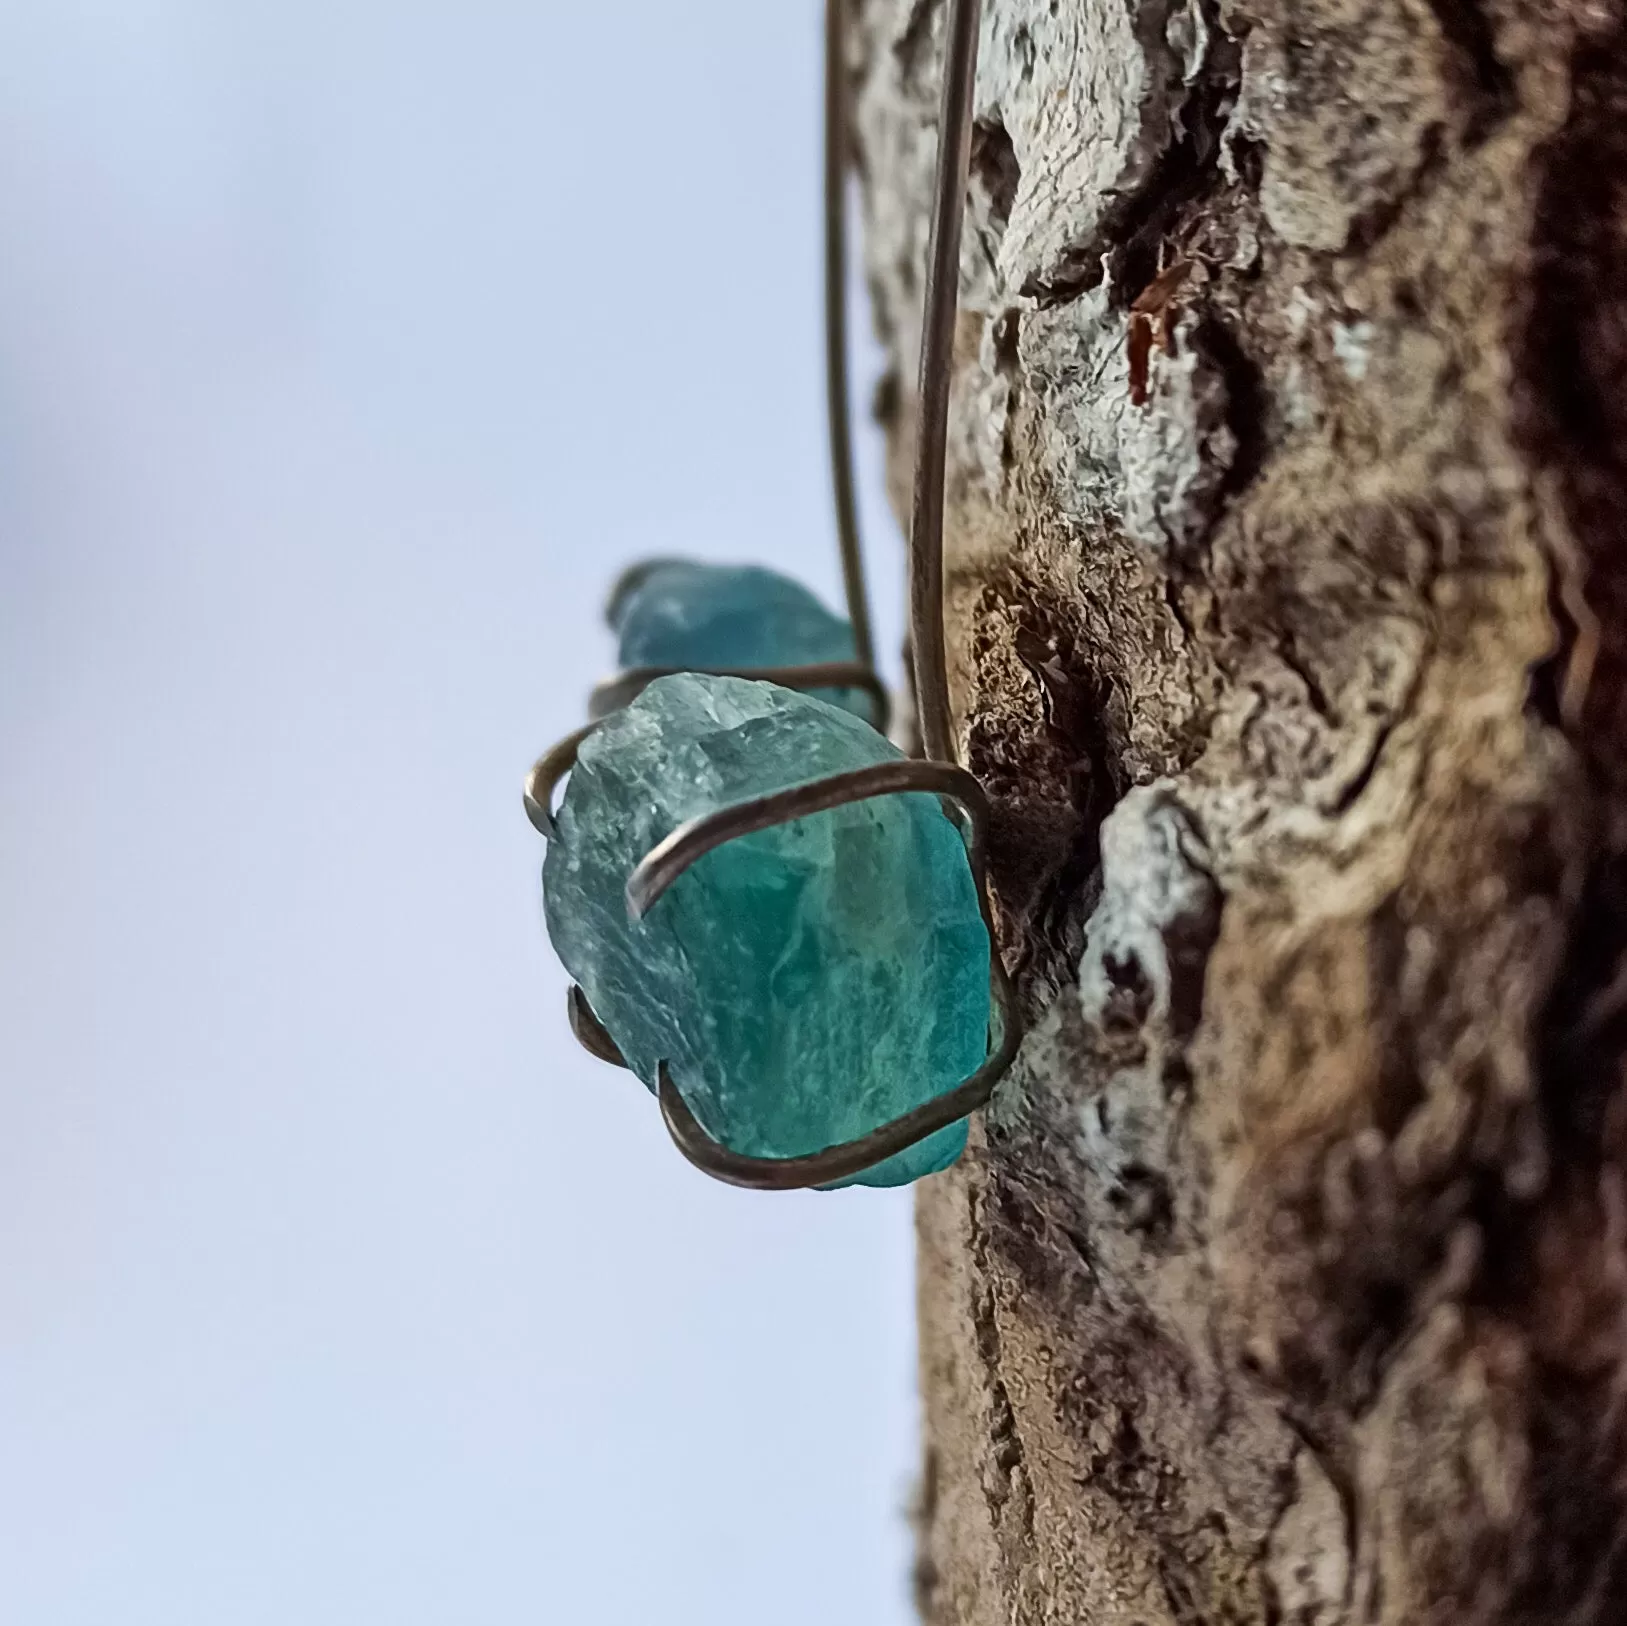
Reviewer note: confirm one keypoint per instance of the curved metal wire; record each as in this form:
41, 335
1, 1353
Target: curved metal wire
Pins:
692, 841
937, 358
838, 401
590, 1031
544, 778
668, 859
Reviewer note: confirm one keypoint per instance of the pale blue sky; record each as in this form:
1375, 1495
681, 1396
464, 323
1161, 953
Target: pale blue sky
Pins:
347, 349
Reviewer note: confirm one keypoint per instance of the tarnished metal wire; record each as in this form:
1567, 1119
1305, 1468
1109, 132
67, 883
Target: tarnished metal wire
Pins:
668, 859
937, 361
543, 780
590, 1031
837, 397
959, 790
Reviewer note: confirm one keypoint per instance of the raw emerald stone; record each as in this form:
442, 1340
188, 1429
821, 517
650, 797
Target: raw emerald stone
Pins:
805, 984
677, 612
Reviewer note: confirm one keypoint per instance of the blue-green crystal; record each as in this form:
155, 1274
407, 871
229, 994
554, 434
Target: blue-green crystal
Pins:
805, 984
681, 613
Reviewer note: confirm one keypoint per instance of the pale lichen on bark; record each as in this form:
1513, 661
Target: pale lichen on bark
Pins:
1288, 472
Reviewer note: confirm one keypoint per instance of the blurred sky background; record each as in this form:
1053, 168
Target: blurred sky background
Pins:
347, 350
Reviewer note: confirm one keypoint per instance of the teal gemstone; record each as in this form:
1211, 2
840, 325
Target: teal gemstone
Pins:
680, 613
805, 984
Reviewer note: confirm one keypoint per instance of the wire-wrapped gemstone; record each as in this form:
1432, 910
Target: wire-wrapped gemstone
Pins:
699, 617
806, 983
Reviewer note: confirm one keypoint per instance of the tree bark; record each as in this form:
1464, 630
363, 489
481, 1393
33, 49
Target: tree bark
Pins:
1288, 619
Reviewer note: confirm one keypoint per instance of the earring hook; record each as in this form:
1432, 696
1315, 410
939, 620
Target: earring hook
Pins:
683, 847
838, 405
937, 359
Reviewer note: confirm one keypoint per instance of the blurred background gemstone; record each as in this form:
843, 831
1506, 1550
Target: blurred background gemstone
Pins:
680, 612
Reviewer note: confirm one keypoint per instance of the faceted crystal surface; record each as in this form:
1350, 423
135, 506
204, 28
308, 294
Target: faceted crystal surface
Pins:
805, 984
677, 612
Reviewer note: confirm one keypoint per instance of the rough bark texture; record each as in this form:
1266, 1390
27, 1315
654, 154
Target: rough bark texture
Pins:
1289, 624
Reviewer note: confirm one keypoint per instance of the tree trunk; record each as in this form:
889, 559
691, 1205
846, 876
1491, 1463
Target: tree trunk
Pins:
1288, 619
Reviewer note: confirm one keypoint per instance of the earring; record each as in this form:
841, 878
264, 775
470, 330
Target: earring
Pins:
677, 615
775, 919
